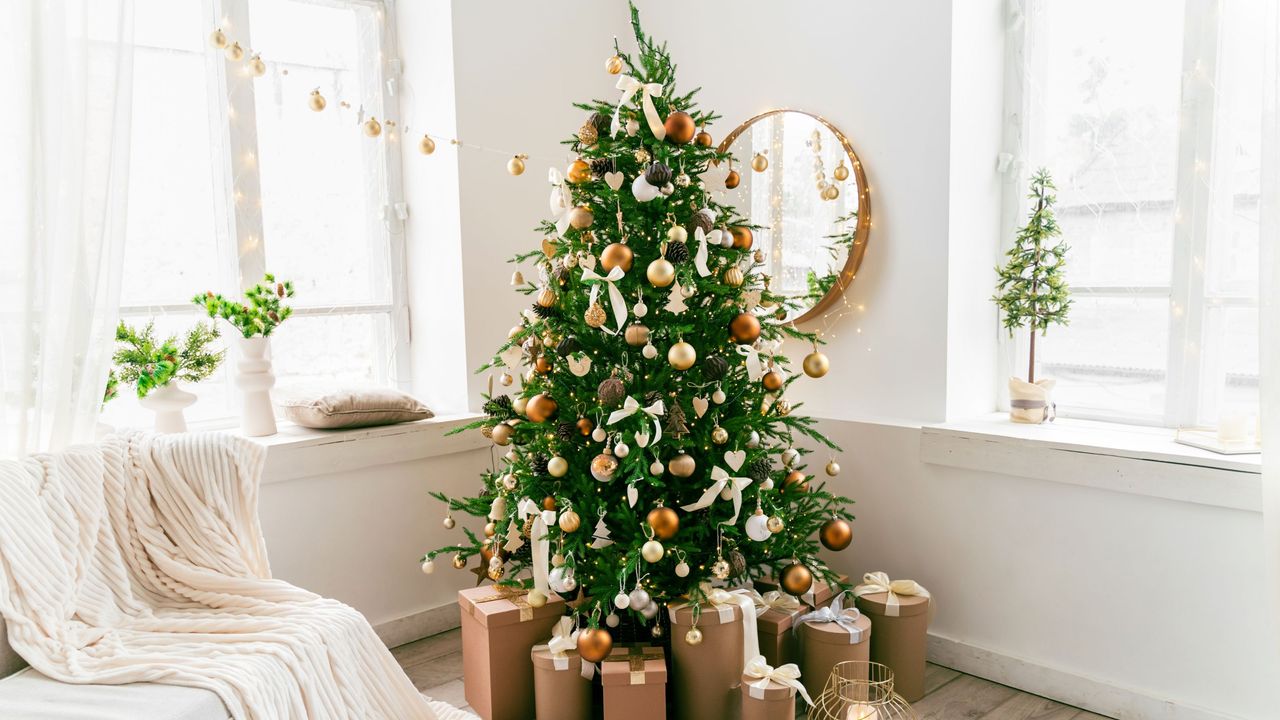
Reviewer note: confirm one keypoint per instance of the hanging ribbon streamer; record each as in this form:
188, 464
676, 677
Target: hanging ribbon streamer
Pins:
788, 674
561, 200
845, 617
755, 370
631, 406
615, 295
722, 481
629, 87
879, 582
700, 257
540, 552
564, 638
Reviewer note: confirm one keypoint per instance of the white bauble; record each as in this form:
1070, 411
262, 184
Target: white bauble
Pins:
753, 440
598, 434
656, 468
758, 528
621, 601
642, 190
789, 456
520, 405
726, 240
428, 567
621, 450
639, 598
557, 466
509, 481
612, 620
650, 611
651, 551
682, 569
639, 309
633, 127
718, 396
767, 484
649, 351
561, 579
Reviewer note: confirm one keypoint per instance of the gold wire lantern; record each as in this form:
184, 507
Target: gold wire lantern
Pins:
860, 690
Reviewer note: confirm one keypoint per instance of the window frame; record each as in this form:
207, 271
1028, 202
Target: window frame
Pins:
1197, 186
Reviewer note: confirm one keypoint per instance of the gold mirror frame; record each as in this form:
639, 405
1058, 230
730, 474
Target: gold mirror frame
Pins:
861, 233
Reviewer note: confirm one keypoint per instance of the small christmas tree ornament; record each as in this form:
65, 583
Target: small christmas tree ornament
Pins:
661, 272
218, 39
557, 467
759, 163
790, 456
604, 466
744, 328
675, 426
428, 567
613, 65
677, 252
316, 101
449, 522
621, 449
611, 391
680, 128
649, 351
664, 521
616, 255
599, 434
234, 52
816, 364
639, 598
372, 127
841, 172
459, 562
578, 172
776, 525
257, 66
833, 468
732, 179
587, 134
733, 276
541, 408
694, 636
656, 468
682, 356
796, 579
757, 526
836, 534
682, 465
657, 174
515, 166
772, 381
536, 598
719, 435
720, 569
594, 644
652, 551
585, 426
502, 434
569, 521
426, 145
595, 316
796, 480
742, 237
612, 620
718, 397
581, 217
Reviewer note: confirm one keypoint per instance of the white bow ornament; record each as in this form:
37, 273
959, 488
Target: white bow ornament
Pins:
630, 407
615, 295
879, 582
540, 551
845, 617
564, 637
629, 87
722, 482
561, 200
788, 675
700, 256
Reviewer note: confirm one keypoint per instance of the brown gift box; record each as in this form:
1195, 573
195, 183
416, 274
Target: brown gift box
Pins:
822, 645
560, 693
499, 628
635, 684
775, 702
900, 641
819, 595
778, 644
707, 675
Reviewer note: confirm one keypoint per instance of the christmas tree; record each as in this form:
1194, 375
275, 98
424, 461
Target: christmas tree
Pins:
1032, 291
650, 447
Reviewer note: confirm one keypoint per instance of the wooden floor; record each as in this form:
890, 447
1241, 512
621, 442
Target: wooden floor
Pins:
435, 666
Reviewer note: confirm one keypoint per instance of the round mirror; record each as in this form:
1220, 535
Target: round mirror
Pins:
800, 180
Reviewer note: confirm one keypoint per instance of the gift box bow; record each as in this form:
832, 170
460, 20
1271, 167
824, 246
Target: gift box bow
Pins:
845, 617
879, 582
564, 637
763, 672
773, 600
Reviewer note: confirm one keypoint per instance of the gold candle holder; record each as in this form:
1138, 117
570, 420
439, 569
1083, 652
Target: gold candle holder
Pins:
860, 690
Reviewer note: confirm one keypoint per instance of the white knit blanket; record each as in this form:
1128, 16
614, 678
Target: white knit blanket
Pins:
140, 559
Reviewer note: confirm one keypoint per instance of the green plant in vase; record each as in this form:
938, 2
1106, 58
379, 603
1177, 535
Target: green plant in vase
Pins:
154, 367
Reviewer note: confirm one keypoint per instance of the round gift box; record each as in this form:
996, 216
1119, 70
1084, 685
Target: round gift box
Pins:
706, 676
774, 701
900, 640
560, 693
822, 645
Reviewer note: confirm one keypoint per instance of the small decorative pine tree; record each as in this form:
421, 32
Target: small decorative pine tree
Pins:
148, 364
1032, 291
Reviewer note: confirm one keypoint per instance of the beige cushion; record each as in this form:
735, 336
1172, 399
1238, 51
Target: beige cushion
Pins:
362, 407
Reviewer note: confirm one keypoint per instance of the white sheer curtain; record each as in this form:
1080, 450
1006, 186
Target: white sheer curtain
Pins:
1269, 317
64, 162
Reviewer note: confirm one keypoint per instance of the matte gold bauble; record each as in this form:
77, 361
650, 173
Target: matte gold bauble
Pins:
218, 39
836, 534
316, 101
664, 521
816, 364
680, 127
733, 276
372, 127
594, 316
759, 163
502, 434
651, 551
732, 179
613, 65
579, 172
742, 237
637, 335
677, 233
585, 426
796, 579
616, 255
682, 465
796, 479
744, 328
603, 466
661, 273
542, 365
515, 165
541, 408
426, 145
703, 138
546, 297
569, 521
536, 598
581, 217
682, 356
841, 172
459, 562
772, 381
257, 67
594, 644
234, 52
831, 192
449, 522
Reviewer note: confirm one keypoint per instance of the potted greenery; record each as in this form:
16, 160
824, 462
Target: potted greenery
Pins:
256, 317
1033, 293
155, 367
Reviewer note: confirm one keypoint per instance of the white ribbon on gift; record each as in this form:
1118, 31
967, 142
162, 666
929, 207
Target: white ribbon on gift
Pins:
629, 87
845, 617
788, 675
700, 256
879, 582
631, 406
721, 481
615, 295
561, 200
723, 602
778, 600
540, 551
564, 637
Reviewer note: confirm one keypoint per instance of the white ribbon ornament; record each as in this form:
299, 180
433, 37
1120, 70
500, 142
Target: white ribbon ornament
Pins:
629, 87
615, 295
561, 200
631, 406
788, 675
845, 617
700, 257
722, 482
879, 582
540, 552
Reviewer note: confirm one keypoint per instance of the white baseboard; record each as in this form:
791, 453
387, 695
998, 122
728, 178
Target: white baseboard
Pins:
415, 626
1092, 694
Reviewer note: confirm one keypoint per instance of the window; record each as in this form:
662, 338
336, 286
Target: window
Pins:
233, 175
1148, 116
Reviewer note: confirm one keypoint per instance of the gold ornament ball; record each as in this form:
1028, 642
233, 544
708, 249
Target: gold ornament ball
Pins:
459, 562
603, 466
316, 101
775, 524
694, 636
744, 328
677, 233
796, 479
719, 435
772, 381
651, 551
613, 65
721, 569
557, 467
595, 316
587, 134
682, 465
661, 273
426, 145
796, 579
449, 522
664, 521
234, 52
372, 127
581, 218
841, 172
836, 534
733, 276
742, 237
548, 503
541, 408
759, 163
502, 434
515, 165
703, 138
585, 426
636, 335
732, 179
594, 644
680, 127
830, 192
816, 364
257, 67
579, 172
569, 521
536, 598
682, 356
616, 255
218, 39
833, 468
542, 365
546, 297
490, 528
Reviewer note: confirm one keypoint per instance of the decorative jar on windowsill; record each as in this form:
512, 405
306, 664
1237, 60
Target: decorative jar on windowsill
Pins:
1031, 402
255, 380
168, 402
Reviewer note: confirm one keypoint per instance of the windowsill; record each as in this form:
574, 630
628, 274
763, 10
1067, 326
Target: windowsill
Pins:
1111, 456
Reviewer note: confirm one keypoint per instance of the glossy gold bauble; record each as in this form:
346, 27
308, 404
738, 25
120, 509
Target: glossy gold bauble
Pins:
682, 356
732, 179
719, 435
784, 408
661, 273
694, 636
816, 364
796, 579
234, 52
449, 522
218, 39
579, 172
515, 165
744, 328
557, 467
316, 101
569, 521
636, 335
542, 365
594, 644
490, 528
546, 297
459, 562
772, 381
372, 127
603, 466
257, 67
742, 237
733, 276
502, 434
759, 163
651, 551
541, 408
664, 521
841, 172
682, 465
831, 192
775, 524
613, 65
836, 534
680, 127
616, 255
585, 426
703, 138
595, 315
426, 145
548, 503
581, 217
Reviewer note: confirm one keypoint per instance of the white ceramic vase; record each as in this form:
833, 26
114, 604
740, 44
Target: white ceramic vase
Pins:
168, 402
255, 380
1031, 402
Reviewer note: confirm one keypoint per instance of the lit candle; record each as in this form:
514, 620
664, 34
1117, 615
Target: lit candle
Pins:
862, 711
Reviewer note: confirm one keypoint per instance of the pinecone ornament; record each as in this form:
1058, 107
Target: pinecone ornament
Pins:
602, 122
543, 312
568, 346
677, 252
498, 406
539, 465
658, 174
566, 432
600, 166
702, 220
715, 367
759, 469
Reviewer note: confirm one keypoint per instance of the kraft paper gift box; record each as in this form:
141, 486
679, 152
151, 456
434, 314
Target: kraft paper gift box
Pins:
635, 684
818, 595
775, 617
829, 636
706, 676
561, 690
499, 628
899, 612
769, 693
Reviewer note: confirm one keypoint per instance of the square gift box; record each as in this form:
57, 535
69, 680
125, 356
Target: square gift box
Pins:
635, 683
499, 628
